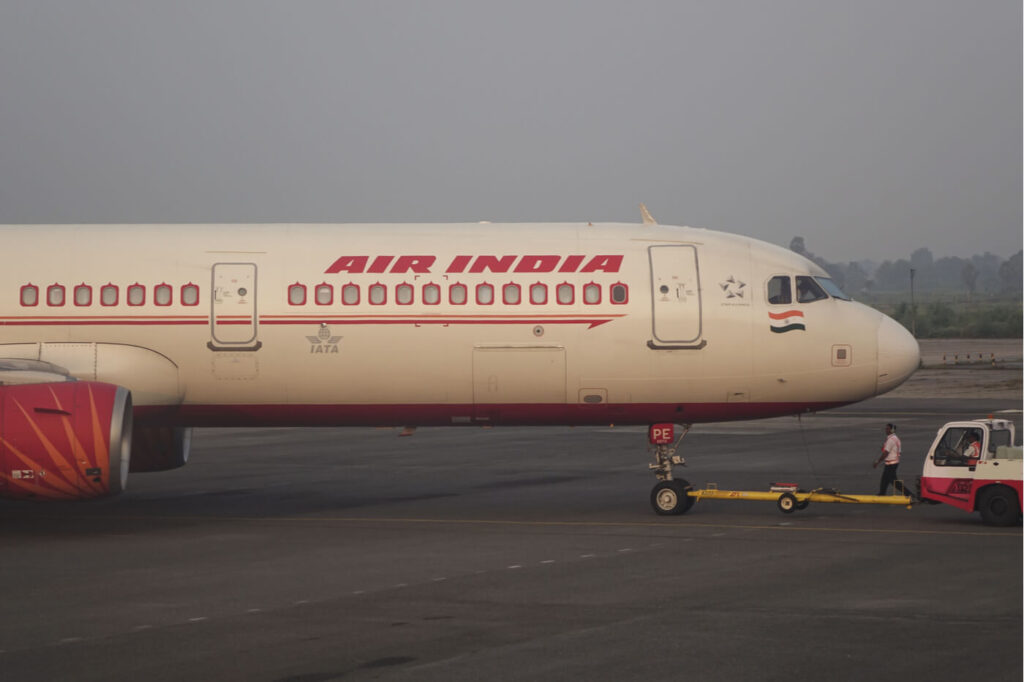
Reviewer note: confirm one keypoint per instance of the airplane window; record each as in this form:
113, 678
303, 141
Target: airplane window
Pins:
998, 437
162, 294
55, 295
378, 294
190, 294
457, 294
297, 294
29, 295
136, 294
323, 294
83, 294
809, 291
620, 293
779, 290
484, 294
510, 294
108, 294
565, 293
403, 294
954, 449
431, 294
832, 288
538, 294
350, 294
592, 293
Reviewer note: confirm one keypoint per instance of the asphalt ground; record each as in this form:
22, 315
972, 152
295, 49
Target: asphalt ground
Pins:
514, 554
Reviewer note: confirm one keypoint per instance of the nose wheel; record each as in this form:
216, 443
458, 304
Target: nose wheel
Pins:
669, 497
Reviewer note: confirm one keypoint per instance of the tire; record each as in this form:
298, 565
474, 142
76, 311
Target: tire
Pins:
787, 503
999, 506
669, 498
802, 505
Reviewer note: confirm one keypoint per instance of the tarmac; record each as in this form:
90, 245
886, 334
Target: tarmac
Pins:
308, 555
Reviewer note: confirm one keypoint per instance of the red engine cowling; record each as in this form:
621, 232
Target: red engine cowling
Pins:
64, 441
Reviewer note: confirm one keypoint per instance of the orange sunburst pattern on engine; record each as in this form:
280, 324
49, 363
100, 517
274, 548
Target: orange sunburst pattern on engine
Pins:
53, 444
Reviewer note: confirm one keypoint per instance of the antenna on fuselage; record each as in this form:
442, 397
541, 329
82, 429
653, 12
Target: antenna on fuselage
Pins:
646, 215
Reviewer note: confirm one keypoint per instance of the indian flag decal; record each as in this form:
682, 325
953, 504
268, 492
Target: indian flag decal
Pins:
786, 321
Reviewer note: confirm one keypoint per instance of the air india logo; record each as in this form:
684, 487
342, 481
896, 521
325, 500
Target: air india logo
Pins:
323, 342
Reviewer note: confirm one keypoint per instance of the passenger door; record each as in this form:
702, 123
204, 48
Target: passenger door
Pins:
233, 323
676, 297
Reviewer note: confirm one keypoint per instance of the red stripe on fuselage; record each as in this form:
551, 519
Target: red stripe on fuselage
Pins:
466, 414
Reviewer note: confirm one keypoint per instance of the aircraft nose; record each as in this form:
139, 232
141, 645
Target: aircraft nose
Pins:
898, 355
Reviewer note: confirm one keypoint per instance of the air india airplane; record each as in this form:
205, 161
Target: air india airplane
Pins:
116, 340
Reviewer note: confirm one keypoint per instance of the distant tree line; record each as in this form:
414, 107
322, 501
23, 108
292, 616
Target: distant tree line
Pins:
985, 273
972, 297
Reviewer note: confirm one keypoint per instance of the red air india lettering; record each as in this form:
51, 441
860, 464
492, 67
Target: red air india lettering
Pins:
537, 263
422, 264
492, 263
603, 263
348, 264
413, 264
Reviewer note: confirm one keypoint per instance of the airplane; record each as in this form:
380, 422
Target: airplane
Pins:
117, 340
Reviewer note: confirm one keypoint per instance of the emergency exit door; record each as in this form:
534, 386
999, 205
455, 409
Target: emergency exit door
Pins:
233, 317
675, 295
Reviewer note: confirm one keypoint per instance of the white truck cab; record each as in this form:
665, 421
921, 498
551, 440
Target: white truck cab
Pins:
974, 465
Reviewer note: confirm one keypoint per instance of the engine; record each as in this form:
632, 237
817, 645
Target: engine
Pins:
159, 448
64, 441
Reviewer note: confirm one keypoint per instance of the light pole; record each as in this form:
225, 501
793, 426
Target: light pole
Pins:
913, 306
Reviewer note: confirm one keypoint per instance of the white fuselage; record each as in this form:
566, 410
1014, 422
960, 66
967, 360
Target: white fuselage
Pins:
253, 324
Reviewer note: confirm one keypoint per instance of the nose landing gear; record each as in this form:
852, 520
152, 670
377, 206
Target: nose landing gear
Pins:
669, 497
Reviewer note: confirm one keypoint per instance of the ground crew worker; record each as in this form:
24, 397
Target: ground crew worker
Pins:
973, 452
891, 456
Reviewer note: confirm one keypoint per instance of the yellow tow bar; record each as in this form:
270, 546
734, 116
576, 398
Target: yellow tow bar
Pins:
789, 499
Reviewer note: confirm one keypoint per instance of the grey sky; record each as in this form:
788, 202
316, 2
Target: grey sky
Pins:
868, 127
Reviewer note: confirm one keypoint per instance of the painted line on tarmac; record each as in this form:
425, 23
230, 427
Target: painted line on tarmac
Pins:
781, 526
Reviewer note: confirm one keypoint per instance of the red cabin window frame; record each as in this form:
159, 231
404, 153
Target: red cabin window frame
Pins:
53, 288
350, 287
35, 293
110, 287
543, 289
611, 293
465, 294
377, 286
88, 295
296, 287
432, 287
163, 286
405, 287
572, 293
132, 288
323, 286
508, 287
190, 287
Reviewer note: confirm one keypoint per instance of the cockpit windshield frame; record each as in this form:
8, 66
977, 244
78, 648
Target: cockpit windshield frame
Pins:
833, 290
808, 290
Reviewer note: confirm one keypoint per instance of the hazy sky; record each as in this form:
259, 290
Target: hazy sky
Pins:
868, 127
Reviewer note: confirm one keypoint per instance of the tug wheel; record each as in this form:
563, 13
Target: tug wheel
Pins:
999, 506
669, 498
787, 503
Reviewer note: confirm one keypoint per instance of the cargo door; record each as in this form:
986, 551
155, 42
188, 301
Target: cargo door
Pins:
517, 381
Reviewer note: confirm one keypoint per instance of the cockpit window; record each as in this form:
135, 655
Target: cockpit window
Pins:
832, 288
779, 290
808, 291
